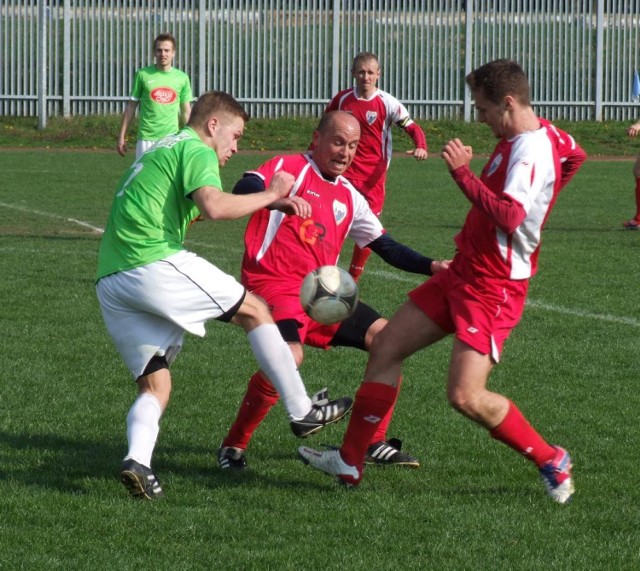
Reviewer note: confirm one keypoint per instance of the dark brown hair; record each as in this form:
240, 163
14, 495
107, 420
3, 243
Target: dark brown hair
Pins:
499, 78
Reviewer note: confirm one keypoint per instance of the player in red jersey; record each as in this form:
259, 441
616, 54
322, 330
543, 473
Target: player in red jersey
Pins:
481, 295
376, 111
281, 249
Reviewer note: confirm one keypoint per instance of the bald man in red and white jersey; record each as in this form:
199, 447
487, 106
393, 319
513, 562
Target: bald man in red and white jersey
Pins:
282, 245
376, 111
480, 297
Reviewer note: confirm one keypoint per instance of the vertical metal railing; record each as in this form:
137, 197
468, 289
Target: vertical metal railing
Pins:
286, 57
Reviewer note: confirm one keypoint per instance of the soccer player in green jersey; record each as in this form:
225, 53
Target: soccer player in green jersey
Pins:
164, 94
151, 289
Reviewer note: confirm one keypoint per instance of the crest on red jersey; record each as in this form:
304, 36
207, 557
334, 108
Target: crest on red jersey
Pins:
371, 117
339, 211
494, 165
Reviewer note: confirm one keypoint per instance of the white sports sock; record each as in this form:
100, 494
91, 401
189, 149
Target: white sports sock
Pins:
276, 361
143, 425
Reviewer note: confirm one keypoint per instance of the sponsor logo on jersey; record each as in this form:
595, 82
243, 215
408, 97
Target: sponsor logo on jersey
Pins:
339, 211
494, 165
312, 193
371, 117
164, 95
311, 231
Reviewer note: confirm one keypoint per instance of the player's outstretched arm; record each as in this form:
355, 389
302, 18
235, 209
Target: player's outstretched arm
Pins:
217, 205
294, 205
404, 258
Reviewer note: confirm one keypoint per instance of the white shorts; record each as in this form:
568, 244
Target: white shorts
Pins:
148, 309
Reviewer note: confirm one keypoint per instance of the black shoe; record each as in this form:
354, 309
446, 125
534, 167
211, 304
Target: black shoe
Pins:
388, 454
230, 458
323, 412
140, 481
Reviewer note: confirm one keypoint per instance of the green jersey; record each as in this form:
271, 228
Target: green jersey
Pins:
160, 93
152, 209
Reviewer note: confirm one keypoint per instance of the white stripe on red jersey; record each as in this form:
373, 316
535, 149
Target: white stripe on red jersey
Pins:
527, 168
278, 245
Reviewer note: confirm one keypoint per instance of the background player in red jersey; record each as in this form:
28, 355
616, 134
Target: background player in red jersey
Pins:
376, 111
280, 250
481, 295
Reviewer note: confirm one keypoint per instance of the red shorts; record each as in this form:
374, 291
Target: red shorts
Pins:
480, 310
286, 305
374, 194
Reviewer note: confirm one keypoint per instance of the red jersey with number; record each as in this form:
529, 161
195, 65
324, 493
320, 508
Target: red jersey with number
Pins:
527, 171
281, 249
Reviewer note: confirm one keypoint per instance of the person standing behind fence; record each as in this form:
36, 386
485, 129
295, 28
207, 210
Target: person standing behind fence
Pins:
164, 94
634, 223
376, 111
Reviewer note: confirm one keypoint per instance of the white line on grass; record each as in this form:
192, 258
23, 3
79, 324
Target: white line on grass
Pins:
55, 216
99, 230
579, 313
534, 304
380, 273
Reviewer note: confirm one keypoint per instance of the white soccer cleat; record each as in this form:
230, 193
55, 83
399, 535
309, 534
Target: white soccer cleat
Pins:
557, 478
330, 462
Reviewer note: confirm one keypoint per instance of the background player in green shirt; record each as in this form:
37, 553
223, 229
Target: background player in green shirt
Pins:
151, 289
164, 94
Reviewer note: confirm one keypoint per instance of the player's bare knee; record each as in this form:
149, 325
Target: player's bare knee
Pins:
253, 312
156, 379
375, 328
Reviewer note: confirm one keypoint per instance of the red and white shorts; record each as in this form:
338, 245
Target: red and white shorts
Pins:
480, 310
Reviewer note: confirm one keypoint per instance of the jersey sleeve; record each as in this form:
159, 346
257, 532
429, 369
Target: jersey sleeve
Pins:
200, 169
136, 88
505, 211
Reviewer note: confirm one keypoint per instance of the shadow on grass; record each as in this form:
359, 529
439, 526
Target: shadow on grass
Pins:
76, 466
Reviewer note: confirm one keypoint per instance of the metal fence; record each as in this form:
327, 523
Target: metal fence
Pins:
288, 57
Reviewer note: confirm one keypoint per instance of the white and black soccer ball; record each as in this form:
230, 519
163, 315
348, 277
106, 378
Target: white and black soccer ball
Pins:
329, 294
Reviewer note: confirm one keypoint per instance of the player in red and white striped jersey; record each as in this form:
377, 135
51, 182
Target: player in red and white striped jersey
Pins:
376, 111
480, 297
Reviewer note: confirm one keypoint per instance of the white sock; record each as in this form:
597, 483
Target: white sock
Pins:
143, 425
276, 361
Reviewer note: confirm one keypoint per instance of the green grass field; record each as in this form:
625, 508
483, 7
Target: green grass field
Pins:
571, 365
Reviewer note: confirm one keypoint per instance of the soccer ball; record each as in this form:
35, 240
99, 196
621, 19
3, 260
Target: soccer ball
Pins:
329, 294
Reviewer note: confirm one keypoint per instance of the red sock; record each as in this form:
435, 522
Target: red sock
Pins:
517, 433
638, 200
381, 433
257, 402
372, 403
358, 261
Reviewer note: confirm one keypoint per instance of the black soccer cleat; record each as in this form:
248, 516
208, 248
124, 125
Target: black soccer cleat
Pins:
230, 458
389, 454
140, 481
323, 412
